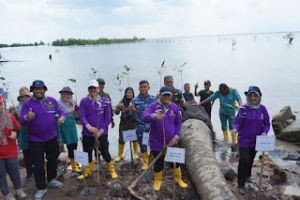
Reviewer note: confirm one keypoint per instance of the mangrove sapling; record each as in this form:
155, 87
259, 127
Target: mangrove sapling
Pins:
128, 69
179, 69
93, 73
160, 71
118, 78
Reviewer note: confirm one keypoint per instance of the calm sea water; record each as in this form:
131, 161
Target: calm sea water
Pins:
266, 61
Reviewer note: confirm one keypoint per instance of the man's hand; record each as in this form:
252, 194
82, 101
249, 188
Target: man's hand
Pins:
196, 86
92, 129
13, 136
173, 142
98, 134
61, 120
30, 115
159, 116
233, 131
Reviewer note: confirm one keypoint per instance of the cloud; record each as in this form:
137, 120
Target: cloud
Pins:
32, 20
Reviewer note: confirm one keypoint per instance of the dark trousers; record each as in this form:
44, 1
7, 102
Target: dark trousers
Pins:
28, 162
247, 156
159, 165
71, 148
89, 145
37, 151
9, 166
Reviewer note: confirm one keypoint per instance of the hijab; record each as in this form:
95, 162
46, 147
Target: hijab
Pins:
251, 105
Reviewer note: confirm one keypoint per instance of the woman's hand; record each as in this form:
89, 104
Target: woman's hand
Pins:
13, 136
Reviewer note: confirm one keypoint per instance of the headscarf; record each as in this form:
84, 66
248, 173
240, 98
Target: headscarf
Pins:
125, 100
68, 106
251, 105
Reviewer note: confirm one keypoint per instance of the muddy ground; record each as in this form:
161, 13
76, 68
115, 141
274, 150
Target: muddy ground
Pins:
109, 189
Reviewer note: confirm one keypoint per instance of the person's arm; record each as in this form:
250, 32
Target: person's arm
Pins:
82, 112
195, 91
23, 114
15, 128
59, 111
107, 116
266, 121
148, 114
212, 98
238, 97
178, 123
237, 122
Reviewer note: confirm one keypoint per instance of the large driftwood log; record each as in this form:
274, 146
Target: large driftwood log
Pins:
196, 138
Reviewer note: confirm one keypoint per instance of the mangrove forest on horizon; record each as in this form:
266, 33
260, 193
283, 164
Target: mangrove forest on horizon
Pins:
72, 41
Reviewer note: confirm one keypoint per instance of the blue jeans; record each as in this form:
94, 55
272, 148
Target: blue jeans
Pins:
140, 129
9, 166
227, 118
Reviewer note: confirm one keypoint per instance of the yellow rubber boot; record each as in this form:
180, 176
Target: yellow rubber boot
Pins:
135, 150
74, 166
157, 181
120, 153
145, 158
111, 170
87, 171
178, 178
234, 138
225, 133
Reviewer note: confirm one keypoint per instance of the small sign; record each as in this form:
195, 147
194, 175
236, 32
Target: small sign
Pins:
175, 155
146, 136
81, 157
129, 135
265, 143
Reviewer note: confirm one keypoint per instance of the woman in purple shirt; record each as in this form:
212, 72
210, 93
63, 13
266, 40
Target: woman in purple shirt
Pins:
252, 120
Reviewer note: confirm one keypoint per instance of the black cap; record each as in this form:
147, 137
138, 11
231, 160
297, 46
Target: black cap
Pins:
38, 84
165, 90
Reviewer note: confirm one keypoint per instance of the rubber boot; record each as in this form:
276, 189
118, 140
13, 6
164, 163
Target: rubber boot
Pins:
135, 150
74, 166
157, 180
120, 153
87, 171
234, 138
225, 133
111, 170
145, 158
178, 178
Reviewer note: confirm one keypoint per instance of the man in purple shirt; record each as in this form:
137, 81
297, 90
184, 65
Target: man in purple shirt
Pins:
165, 119
95, 116
39, 115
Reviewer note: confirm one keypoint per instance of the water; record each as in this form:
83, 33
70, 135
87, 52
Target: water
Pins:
267, 61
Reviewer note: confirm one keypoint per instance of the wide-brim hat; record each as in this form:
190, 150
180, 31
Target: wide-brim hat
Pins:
38, 84
253, 89
66, 89
24, 91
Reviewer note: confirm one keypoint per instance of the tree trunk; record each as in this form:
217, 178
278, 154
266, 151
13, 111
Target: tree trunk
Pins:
201, 163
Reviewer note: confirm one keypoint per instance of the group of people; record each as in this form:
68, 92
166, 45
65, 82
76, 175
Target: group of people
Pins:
40, 123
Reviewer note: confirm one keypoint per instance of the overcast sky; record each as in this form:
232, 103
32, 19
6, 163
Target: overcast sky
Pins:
34, 20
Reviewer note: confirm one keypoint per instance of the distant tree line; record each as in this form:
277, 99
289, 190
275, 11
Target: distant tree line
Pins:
72, 41
22, 44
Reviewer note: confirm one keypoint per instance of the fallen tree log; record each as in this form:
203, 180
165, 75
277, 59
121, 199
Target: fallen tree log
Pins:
197, 139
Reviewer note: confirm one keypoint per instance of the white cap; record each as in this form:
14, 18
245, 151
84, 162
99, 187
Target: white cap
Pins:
93, 83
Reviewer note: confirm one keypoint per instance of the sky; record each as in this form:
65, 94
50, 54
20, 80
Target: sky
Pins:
47, 20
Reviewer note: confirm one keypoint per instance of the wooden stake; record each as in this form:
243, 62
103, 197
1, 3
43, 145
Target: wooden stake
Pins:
98, 160
261, 175
131, 153
174, 184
